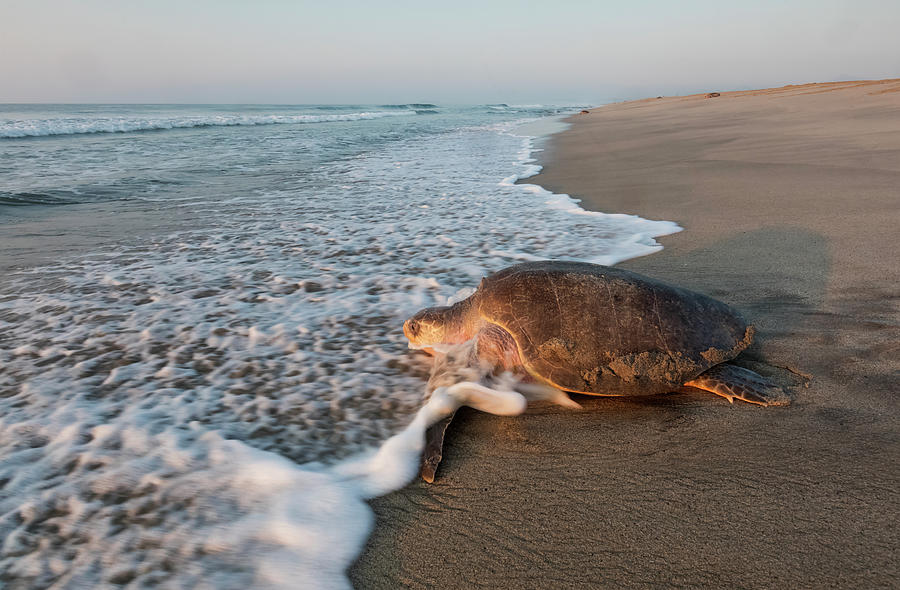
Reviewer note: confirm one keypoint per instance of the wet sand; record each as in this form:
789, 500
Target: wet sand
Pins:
790, 203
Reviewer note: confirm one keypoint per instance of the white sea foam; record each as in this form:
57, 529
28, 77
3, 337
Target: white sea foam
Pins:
79, 125
209, 409
642, 231
303, 524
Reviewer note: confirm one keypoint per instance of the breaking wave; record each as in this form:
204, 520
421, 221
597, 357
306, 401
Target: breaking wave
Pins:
411, 105
34, 198
77, 125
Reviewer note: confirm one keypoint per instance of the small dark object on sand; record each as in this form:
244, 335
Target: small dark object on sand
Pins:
584, 112
599, 330
713, 95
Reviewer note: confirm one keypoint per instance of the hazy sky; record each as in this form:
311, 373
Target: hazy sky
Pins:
295, 51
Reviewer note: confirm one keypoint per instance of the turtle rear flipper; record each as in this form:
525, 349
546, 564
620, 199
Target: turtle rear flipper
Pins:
731, 381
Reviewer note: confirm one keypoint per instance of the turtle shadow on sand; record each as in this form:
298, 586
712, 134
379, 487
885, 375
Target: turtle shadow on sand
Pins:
776, 276
751, 272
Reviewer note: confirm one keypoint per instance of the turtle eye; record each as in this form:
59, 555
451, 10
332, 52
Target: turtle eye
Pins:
412, 328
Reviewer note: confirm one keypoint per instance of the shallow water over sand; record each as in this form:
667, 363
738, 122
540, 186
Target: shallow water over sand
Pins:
235, 312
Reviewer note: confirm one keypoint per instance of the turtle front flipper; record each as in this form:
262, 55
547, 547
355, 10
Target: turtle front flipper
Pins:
434, 447
731, 381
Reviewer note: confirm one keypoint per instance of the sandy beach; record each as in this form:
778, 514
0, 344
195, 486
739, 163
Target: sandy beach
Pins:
790, 203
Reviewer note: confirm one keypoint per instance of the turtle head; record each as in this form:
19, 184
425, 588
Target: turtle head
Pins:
430, 326
444, 325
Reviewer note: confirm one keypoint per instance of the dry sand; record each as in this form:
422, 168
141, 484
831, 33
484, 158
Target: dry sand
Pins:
790, 203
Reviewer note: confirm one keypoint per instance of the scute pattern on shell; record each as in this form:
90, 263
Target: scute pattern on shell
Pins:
597, 329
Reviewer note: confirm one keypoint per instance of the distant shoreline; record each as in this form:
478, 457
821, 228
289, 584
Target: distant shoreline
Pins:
789, 200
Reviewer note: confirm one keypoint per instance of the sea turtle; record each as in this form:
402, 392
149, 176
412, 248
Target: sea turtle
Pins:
592, 329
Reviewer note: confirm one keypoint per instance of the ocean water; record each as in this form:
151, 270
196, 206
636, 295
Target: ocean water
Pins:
202, 369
